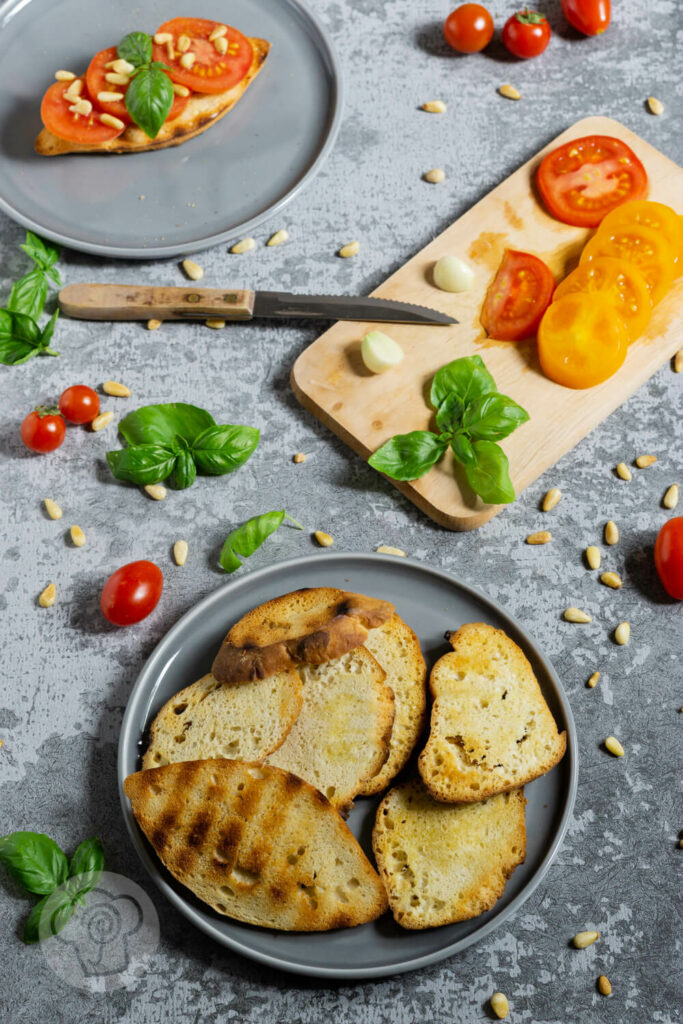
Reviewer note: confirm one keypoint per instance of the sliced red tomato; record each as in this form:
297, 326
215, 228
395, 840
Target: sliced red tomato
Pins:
581, 340
583, 180
517, 297
621, 282
96, 80
658, 216
212, 71
86, 129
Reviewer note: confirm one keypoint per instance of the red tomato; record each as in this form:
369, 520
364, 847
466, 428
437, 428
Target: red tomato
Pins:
131, 593
86, 129
517, 297
469, 28
669, 557
526, 34
79, 404
588, 16
583, 180
43, 430
212, 70
97, 83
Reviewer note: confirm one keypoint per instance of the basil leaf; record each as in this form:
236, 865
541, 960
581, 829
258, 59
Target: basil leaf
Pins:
149, 98
49, 916
224, 448
449, 414
249, 536
20, 338
493, 417
46, 336
463, 450
42, 253
87, 863
467, 377
142, 463
409, 456
159, 424
489, 476
34, 860
184, 472
28, 294
136, 48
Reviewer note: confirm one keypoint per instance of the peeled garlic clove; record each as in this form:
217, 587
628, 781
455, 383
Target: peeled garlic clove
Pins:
380, 352
452, 274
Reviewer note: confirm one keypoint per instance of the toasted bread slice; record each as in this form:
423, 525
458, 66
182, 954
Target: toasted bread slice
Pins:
200, 113
491, 730
341, 738
257, 844
442, 863
212, 719
397, 649
308, 626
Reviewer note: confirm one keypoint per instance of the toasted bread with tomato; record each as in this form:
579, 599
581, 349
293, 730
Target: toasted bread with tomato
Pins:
202, 110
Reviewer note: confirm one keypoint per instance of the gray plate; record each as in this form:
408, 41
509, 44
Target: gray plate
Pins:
212, 189
431, 601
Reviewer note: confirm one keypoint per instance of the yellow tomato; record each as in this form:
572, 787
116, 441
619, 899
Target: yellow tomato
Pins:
621, 282
651, 215
581, 340
644, 247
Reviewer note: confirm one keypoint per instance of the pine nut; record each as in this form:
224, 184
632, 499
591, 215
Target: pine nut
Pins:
613, 745
153, 324
53, 509
499, 1005
279, 238
624, 472
670, 499
180, 552
622, 634
323, 539
180, 90
593, 681
218, 32
77, 536
604, 985
112, 387
246, 245
221, 45
656, 106
102, 421
83, 107
193, 270
509, 92
542, 537
386, 549
170, 50
116, 78
611, 532
187, 60
299, 458
643, 461
593, 557
572, 614
435, 107
64, 76
678, 361
113, 122
183, 44
215, 322
350, 249
48, 596
435, 176
163, 37
156, 491
122, 67
551, 499
109, 97
611, 579
583, 939
75, 89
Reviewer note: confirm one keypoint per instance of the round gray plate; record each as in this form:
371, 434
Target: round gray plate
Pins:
212, 189
431, 601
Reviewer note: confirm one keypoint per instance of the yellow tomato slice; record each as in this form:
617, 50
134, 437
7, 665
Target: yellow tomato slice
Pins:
644, 247
652, 215
621, 282
581, 340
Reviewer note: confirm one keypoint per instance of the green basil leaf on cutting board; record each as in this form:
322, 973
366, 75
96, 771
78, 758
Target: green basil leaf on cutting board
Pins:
493, 417
449, 414
489, 476
142, 463
136, 48
49, 916
247, 538
462, 449
467, 377
149, 98
28, 294
409, 456
34, 860
222, 449
159, 424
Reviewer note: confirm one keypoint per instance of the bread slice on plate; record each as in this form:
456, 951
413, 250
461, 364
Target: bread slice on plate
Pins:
200, 113
491, 730
442, 863
257, 844
341, 738
212, 719
397, 649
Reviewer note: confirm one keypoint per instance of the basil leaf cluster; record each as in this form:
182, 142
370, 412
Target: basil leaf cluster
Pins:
149, 97
245, 539
472, 416
177, 441
40, 866
21, 337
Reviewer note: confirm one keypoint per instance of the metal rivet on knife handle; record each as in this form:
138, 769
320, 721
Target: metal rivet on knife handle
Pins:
192, 297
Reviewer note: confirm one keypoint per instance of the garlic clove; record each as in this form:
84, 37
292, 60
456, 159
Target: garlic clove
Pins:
452, 274
380, 352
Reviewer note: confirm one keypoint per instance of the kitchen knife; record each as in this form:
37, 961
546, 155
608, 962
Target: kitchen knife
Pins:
131, 302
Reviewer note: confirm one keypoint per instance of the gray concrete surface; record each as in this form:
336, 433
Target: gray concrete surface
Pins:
66, 677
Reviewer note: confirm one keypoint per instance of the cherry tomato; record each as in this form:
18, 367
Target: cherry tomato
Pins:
212, 71
581, 340
79, 404
621, 282
526, 34
669, 557
581, 181
131, 593
652, 215
43, 430
517, 297
469, 28
97, 84
644, 247
58, 118
588, 16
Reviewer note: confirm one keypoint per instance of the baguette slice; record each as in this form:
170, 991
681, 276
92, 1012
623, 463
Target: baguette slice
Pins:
491, 729
442, 863
201, 112
256, 844
212, 719
341, 738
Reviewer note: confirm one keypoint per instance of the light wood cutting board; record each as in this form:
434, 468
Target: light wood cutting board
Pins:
364, 409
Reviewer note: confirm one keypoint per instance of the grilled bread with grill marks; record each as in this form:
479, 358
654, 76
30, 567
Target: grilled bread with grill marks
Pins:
257, 844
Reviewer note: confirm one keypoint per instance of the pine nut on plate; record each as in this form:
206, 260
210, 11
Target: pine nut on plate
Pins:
218, 32
221, 45
187, 60
583, 939
162, 38
64, 76
113, 122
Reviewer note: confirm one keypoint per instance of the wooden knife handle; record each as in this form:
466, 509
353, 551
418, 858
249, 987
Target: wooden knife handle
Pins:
130, 302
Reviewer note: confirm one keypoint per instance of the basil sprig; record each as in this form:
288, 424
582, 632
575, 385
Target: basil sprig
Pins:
40, 866
178, 440
21, 337
245, 539
149, 97
472, 416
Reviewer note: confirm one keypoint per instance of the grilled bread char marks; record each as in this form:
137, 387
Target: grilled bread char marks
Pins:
200, 113
257, 844
491, 730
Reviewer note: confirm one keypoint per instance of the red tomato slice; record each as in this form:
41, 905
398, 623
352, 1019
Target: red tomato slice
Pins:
86, 129
583, 180
517, 297
212, 70
96, 80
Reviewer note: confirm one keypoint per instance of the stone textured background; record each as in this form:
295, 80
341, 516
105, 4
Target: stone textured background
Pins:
66, 676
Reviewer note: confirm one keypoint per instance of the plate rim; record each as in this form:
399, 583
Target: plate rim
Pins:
128, 735
324, 44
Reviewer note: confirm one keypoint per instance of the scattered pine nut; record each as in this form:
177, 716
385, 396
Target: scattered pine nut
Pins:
386, 549
113, 122
435, 176
102, 421
542, 537
583, 939
551, 499
622, 634
187, 60
509, 92
350, 249
611, 532
299, 458
180, 90
170, 49
48, 596
593, 681
193, 270
572, 614
121, 66
604, 985
246, 245
183, 44
656, 106
499, 1005
84, 107
624, 472
77, 536
611, 579
593, 557
109, 97
64, 76
75, 89
163, 37
153, 324
643, 461
116, 78
678, 361
435, 107
279, 238
180, 552
156, 491
221, 45
613, 745
323, 539
218, 32
112, 387
215, 322
53, 509
670, 499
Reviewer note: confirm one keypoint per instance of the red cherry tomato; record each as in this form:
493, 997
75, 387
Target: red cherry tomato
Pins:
43, 430
588, 16
131, 593
79, 404
526, 34
469, 28
669, 557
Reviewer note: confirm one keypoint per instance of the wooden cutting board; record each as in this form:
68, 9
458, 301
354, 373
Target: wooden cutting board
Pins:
364, 409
